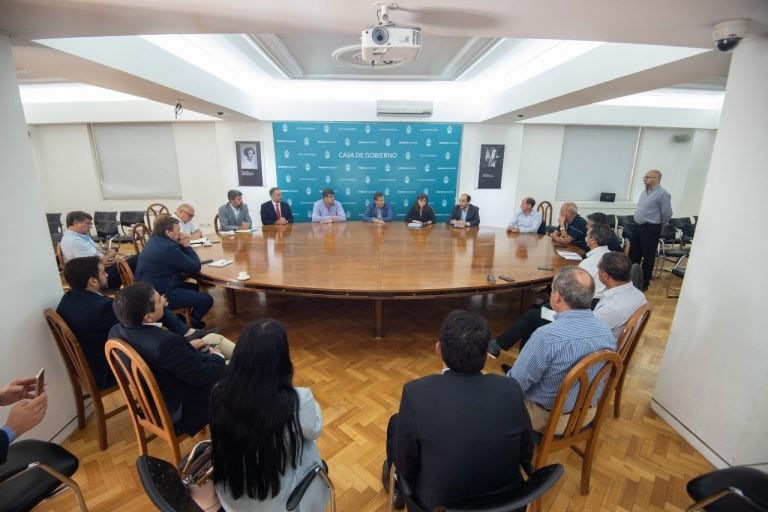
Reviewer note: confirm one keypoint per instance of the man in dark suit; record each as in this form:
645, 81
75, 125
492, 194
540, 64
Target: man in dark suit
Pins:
90, 316
460, 437
234, 215
165, 263
185, 375
464, 214
276, 211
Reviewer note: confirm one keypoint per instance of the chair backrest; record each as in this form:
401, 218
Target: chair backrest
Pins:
106, 228
139, 235
142, 396
104, 216
77, 366
216, 223
163, 485
126, 274
596, 372
60, 257
636, 275
153, 211
54, 222
545, 209
130, 217
626, 222
632, 332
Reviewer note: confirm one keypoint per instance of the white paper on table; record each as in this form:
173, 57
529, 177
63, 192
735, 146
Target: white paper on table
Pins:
414, 225
246, 230
569, 255
220, 263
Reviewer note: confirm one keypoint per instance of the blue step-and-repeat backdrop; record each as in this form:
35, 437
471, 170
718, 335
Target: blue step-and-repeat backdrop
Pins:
357, 159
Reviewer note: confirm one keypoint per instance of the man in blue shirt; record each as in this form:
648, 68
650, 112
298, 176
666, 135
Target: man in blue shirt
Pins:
378, 211
526, 220
654, 209
572, 228
555, 348
327, 210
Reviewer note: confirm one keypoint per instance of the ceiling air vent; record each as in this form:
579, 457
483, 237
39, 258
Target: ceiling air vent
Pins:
404, 108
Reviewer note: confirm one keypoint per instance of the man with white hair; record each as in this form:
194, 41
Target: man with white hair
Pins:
572, 228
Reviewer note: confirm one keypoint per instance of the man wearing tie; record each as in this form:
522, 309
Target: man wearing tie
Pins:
276, 211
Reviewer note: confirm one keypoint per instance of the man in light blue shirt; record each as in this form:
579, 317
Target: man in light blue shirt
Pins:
556, 347
526, 220
327, 210
77, 243
378, 211
654, 209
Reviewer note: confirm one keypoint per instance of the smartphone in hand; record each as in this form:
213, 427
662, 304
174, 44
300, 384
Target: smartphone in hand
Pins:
40, 382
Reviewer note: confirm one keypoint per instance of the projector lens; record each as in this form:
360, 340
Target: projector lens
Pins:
380, 35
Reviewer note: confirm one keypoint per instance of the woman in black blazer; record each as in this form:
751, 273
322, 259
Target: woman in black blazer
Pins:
421, 211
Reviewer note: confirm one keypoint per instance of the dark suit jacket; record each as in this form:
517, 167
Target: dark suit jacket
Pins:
427, 215
473, 215
185, 375
3, 446
461, 438
90, 317
165, 264
269, 216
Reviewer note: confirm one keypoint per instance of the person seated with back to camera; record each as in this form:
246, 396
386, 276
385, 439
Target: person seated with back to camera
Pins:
461, 436
263, 429
526, 220
90, 316
275, 211
600, 218
327, 210
421, 212
379, 211
464, 214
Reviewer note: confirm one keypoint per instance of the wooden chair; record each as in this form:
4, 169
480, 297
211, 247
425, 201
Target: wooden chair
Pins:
153, 211
216, 223
60, 257
80, 376
605, 366
545, 209
146, 404
139, 235
127, 279
626, 345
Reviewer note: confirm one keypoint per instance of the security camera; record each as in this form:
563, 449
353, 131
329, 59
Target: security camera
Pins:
728, 34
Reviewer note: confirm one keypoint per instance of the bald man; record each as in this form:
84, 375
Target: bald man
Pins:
572, 228
654, 209
185, 213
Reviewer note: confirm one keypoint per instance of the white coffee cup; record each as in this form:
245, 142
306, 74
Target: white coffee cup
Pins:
242, 275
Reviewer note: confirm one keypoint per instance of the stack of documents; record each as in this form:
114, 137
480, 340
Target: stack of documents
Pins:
220, 263
569, 255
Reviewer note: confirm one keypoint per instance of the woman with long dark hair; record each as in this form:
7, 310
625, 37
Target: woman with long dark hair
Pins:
421, 212
263, 430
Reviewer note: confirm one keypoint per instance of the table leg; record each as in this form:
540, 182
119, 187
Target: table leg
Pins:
378, 306
231, 301
525, 300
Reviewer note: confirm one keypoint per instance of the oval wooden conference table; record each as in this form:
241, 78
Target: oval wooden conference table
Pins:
358, 260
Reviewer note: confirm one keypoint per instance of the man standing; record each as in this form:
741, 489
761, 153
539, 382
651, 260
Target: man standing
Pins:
572, 228
597, 243
77, 243
621, 299
276, 211
185, 213
234, 215
90, 316
165, 263
185, 375
554, 348
654, 209
379, 211
526, 220
327, 210
464, 214
460, 436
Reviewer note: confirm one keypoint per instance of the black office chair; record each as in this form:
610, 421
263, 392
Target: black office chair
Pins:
34, 471
736, 489
636, 276
163, 485
537, 484
677, 271
128, 219
627, 224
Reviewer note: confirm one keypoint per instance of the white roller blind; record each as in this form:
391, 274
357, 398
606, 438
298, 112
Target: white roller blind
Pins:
137, 160
596, 159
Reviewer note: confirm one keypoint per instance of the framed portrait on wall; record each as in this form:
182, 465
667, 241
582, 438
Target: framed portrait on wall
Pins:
491, 165
249, 171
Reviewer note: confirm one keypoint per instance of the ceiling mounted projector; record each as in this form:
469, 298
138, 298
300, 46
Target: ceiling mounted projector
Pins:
388, 44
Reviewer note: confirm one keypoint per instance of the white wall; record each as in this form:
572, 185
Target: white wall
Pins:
207, 168
28, 271
713, 383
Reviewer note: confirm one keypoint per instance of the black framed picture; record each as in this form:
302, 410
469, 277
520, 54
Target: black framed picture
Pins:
249, 171
491, 165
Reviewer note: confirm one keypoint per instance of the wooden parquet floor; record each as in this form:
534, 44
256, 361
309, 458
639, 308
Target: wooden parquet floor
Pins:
641, 464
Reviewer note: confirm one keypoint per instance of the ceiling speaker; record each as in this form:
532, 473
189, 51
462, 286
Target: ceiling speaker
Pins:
681, 137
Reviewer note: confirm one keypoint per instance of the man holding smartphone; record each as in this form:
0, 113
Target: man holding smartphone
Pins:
28, 411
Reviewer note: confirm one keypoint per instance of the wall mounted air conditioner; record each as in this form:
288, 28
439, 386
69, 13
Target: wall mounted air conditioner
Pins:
404, 108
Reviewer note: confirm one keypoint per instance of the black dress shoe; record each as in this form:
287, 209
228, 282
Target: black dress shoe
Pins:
505, 368
398, 500
385, 475
201, 333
